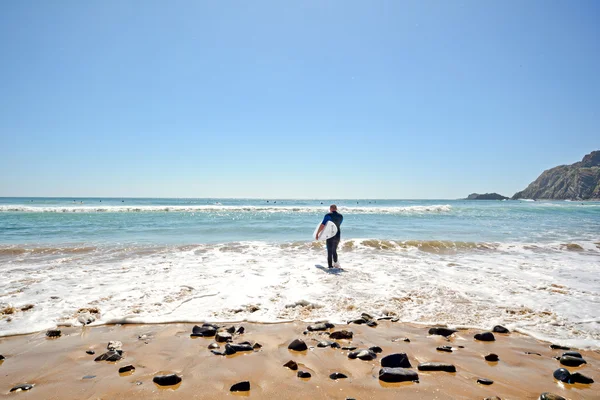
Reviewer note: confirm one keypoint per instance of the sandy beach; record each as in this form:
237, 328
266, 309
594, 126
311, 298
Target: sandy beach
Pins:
60, 368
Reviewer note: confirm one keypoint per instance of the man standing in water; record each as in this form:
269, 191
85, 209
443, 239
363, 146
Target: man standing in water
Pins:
332, 243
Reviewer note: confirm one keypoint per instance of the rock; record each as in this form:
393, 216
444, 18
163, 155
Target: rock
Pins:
204, 331
407, 340
349, 348
337, 375
213, 346
485, 337
257, 346
367, 317
532, 353
358, 321
53, 333
392, 375
557, 347
291, 365
441, 331
304, 374
372, 324
167, 380
562, 375
240, 330
487, 196
231, 348
325, 343
22, 387
550, 396
126, 368
436, 367
110, 356
397, 360
2, 357
298, 345
240, 387
223, 337
219, 353
447, 349
341, 335
231, 330
89, 377
500, 329
484, 381
320, 327
580, 378
114, 345
90, 352
366, 355
493, 398
376, 349
572, 354
571, 361
335, 345
492, 357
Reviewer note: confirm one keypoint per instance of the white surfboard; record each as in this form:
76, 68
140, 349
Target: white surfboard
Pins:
327, 233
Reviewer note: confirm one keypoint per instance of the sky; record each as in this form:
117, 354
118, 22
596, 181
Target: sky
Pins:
294, 99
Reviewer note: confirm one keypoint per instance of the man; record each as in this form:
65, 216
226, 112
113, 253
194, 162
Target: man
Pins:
332, 243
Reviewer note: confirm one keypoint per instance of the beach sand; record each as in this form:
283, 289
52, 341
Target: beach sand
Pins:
57, 366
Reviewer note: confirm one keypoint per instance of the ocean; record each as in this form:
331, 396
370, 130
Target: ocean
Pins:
530, 266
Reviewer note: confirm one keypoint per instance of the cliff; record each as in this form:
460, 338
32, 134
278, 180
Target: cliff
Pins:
579, 181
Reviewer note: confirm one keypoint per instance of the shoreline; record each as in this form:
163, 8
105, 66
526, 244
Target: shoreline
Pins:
61, 368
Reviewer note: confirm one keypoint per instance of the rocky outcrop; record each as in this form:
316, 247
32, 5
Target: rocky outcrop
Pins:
579, 181
487, 196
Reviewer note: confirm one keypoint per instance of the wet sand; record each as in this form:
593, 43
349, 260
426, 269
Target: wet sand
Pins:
57, 366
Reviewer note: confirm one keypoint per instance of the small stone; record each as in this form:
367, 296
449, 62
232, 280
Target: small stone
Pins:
485, 337
304, 374
23, 386
325, 343
341, 335
397, 360
484, 381
126, 368
167, 380
366, 317
337, 375
500, 329
358, 321
110, 356
291, 365
550, 396
90, 352
223, 337
392, 375
376, 349
27, 307
240, 387
213, 346
372, 324
257, 346
571, 361
114, 345
53, 333
142, 337
139, 383
231, 348
407, 340
572, 354
219, 353
335, 345
447, 349
349, 348
580, 378
441, 331
493, 398
557, 347
366, 355
240, 330
436, 367
532, 353
89, 377
231, 330
320, 327
297, 345
492, 357
203, 331
562, 375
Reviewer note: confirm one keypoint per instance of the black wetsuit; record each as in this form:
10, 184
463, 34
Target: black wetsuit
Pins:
332, 243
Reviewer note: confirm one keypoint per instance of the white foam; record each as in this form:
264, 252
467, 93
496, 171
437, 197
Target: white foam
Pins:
552, 293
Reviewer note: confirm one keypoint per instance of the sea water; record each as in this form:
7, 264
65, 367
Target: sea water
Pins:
531, 266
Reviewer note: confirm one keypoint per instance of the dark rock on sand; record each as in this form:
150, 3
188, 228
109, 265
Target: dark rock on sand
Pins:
447, 349
335, 345
358, 321
320, 327
372, 324
231, 329
240, 330
89, 377
1, 357
304, 374
167, 380
392, 375
223, 337
325, 343
341, 335
557, 347
436, 367
500, 329
213, 346
376, 349
204, 331
550, 396
231, 348
291, 365
257, 346
398, 360
23, 386
571, 361
572, 354
111, 356
366, 316
219, 353
349, 348
533, 353
90, 352
298, 345
484, 381
337, 375
492, 357
407, 340
365, 355
562, 375
580, 378
53, 333
240, 387
126, 368
485, 337
441, 331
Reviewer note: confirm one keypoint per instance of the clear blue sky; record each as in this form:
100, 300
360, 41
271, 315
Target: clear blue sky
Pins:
354, 99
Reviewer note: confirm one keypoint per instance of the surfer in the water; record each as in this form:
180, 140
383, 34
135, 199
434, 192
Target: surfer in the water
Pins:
332, 243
